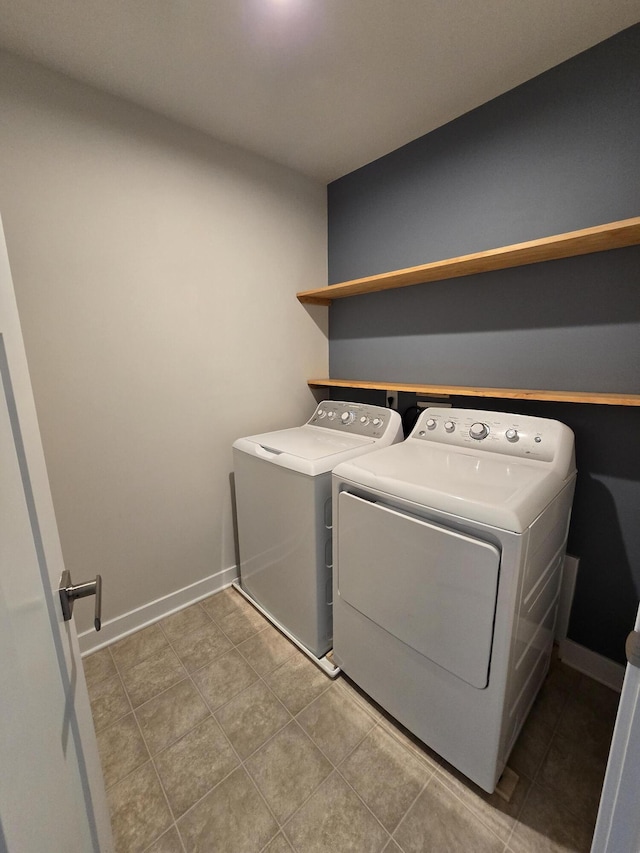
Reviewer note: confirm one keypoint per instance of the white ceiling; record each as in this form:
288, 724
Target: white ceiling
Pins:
323, 86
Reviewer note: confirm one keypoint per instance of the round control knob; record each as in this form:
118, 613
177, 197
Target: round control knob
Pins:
364, 419
512, 435
347, 417
449, 426
479, 431
431, 424
377, 421
331, 415
321, 413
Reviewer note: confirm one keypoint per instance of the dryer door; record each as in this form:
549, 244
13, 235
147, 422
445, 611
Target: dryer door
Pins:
432, 588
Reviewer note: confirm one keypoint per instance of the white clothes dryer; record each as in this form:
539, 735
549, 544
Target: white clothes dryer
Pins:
448, 554
283, 503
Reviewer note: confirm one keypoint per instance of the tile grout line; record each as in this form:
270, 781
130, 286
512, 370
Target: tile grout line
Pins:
336, 771
375, 723
238, 609
434, 770
167, 830
132, 712
351, 751
241, 763
126, 696
404, 816
282, 663
376, 720
151, 757
534, 778
155, 770
121, 668
293, 718
391, 730
442, 779
334, 766
158, 624
210, 715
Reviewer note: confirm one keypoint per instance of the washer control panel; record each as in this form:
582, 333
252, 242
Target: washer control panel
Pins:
357, 418
521, 436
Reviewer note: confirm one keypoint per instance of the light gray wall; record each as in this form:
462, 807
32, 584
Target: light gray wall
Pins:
558, 153
155, 272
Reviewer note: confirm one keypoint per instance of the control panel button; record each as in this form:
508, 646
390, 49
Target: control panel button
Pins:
512, 435
331, 415
431, 424
377, 421
364, 419
449, 426
478, 431
347, 417
321, 413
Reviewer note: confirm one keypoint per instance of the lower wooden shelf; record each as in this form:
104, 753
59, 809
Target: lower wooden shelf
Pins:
500, 393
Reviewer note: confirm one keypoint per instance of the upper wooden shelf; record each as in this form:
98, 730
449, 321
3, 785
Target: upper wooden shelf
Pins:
498, 393
600, 238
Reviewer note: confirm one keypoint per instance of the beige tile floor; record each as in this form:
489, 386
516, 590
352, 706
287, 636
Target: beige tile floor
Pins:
216, 734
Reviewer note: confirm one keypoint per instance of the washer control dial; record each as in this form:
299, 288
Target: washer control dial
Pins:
431, 424
347, 417
377, 421
512, 434
322, 413
364, 419
449, 426
478, 431
331, 415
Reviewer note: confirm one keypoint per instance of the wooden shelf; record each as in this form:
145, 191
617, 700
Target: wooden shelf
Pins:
600, 238
499, 393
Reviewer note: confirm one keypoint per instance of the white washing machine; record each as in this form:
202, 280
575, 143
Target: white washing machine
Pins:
448, 554
283, 502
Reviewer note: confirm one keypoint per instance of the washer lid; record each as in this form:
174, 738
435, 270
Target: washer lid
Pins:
307, 449
308, 443
480, 486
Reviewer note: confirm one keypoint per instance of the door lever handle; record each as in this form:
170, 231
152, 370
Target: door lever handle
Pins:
69, 592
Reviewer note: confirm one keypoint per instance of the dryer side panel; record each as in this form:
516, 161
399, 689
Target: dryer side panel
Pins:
431, 587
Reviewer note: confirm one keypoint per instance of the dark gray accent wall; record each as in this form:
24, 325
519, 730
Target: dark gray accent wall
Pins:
558, 153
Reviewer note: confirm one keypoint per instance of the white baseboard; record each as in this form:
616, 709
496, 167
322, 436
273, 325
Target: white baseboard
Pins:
579, 657
596, 666
134, 620
567, 589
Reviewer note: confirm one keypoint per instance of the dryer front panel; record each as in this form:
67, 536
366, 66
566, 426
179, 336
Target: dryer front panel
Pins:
433, 588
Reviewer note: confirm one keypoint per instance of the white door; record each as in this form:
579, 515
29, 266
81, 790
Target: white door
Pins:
618, 826
52, 794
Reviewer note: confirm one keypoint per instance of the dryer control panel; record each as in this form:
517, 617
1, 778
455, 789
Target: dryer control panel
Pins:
356, 418
520, 436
